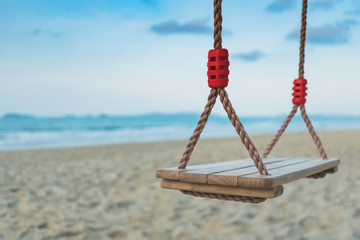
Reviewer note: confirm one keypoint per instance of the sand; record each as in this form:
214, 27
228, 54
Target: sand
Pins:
110, 192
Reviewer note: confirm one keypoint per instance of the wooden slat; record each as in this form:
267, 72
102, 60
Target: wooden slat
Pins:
230, 178
287, 174
197, 187
174, 173
201, 175
209, 165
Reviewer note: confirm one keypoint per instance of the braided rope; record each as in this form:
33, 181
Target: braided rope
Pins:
226, 197
245, 139
302, 39
308, 124
280, 131
312, 132
217, 24
199, 128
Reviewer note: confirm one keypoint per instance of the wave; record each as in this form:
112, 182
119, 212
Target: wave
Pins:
20, 131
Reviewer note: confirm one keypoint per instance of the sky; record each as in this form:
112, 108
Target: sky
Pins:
143, 56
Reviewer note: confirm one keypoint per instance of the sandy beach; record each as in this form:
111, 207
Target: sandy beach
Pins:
111, 192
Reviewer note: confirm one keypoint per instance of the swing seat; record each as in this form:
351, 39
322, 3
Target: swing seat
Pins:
241, 177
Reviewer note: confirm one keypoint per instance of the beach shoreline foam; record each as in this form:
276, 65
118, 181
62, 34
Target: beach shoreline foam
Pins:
111, 192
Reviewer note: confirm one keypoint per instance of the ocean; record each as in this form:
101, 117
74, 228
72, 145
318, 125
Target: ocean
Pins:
18, 131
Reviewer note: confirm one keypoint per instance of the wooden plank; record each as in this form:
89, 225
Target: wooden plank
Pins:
287, 174
201, 175
230, 178
168, 174
198, 187
174, 173
207, 165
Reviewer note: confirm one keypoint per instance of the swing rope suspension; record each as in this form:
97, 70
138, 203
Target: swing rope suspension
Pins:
214, 92
299, 87
245, 139
238, 180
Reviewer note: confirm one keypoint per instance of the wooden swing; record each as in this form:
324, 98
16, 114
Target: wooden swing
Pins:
240, 180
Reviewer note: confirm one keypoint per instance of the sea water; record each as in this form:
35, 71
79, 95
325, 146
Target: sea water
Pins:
29, 132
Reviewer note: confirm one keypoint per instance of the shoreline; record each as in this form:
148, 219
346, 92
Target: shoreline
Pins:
267, 135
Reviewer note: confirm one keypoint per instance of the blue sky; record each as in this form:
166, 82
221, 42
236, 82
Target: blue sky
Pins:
141, 56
